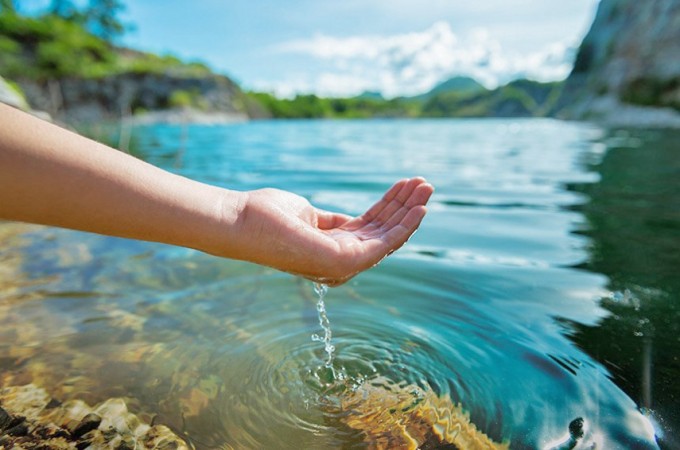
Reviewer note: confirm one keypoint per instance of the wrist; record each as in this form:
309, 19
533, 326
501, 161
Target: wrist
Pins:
226, 217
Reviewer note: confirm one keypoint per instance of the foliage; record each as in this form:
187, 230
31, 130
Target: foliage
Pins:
187, 99
311, 106
7, 6
63, 8
49, 46
650, 91
518, 98
101, 18
52, 46
139, 62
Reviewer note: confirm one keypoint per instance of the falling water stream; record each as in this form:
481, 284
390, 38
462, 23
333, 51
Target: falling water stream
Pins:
327, 372
321, 290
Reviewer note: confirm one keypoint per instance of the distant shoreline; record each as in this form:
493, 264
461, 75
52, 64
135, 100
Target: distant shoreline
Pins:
186, 116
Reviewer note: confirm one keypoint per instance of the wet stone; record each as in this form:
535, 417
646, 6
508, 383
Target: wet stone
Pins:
126, 444
28, 423
5, 419
18, 430
87, 439
89, 423
50, 430
576, 428
53, 403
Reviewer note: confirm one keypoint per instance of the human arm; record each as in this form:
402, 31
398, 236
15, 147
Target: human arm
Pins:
52, 176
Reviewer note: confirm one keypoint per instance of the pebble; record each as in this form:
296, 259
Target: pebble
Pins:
30, 419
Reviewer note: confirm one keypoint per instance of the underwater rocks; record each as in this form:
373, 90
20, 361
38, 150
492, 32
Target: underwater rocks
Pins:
409, 417
30, 419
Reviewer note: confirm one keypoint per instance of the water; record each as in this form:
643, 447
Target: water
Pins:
541, 288
321, 290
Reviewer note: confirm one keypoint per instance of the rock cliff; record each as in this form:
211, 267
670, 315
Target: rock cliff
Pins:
627, 70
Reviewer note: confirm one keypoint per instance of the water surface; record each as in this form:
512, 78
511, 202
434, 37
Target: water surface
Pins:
542, 287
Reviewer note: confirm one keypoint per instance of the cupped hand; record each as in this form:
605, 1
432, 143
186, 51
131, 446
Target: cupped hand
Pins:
282, 230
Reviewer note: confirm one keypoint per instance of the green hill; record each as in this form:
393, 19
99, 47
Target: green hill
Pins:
77, 76
519, 98
457, 85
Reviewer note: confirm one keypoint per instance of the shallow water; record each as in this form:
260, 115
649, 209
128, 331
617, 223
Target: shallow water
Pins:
542, 287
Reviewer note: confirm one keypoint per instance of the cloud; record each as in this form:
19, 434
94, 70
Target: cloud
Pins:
412, 63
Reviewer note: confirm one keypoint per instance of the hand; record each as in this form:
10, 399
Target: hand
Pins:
51, 176
282, 230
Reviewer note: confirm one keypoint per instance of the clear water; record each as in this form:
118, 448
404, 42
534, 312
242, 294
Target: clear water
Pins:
542, 287
329, 348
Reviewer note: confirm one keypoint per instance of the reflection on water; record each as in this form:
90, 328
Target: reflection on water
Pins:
634, 222
534, 306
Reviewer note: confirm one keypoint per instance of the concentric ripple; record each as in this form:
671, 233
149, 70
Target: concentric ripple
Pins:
283, 390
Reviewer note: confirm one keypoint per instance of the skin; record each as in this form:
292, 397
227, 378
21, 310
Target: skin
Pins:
51, 176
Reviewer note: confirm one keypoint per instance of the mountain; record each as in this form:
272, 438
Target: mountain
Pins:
627, 69
458, 84
370, 95
519, 98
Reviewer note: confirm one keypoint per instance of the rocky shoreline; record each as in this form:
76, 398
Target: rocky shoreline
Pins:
187, 115
31, 419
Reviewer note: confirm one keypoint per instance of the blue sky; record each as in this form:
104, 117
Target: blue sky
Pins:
332, 47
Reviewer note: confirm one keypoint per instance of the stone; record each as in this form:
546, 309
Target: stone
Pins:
74, 424
409, 417
576, 428
5, 419
89, 423
627, 69
20, 429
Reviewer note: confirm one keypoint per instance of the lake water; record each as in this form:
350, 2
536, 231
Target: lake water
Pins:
542, 287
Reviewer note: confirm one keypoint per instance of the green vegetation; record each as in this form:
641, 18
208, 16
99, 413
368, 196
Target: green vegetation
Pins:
51, 46
649, 91
72, 42
187, 99
311, 106
521, 98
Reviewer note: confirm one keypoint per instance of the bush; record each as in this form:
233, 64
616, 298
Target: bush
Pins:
50, 46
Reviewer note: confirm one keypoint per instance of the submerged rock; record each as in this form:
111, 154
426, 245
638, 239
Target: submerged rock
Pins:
408, 417
29, 419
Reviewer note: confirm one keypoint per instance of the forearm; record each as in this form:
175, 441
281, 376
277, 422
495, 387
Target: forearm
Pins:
54, 177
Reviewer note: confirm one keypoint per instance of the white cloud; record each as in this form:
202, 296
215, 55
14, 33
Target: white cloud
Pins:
412, 63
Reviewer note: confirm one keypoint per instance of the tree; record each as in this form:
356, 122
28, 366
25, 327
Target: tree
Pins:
7, 6
102, 18
63, 8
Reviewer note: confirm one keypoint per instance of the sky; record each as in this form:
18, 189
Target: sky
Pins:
343, 48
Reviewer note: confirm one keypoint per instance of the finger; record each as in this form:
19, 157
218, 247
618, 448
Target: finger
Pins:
391, 193
399, 200
327, 220
399, 234
419, 196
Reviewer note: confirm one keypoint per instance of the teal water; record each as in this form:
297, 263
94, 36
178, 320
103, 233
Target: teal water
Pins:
542, 287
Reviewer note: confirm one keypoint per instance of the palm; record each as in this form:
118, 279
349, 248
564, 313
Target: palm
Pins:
284, 231
382, 229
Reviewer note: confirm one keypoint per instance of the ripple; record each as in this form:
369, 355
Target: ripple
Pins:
286, 389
